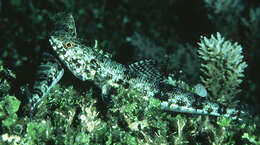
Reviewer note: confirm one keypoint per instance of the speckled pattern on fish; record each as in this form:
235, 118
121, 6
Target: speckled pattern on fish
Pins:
87, 64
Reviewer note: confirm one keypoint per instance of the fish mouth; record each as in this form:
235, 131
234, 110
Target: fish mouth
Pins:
55, 43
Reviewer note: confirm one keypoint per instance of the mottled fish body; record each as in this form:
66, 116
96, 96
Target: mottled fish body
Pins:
87, 64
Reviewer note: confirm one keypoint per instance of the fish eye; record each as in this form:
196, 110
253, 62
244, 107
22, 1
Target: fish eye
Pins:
68, 44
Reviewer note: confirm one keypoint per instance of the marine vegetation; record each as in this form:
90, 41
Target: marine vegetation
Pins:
111, 73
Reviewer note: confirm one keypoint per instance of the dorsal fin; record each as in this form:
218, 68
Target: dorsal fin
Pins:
147, 69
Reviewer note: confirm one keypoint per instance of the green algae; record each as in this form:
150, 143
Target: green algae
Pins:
69, 109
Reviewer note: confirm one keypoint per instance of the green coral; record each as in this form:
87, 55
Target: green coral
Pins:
25, 28
9, 105
222, 67
251, 138
226, 14
38, 131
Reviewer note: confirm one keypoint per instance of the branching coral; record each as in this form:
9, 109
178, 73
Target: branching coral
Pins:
222, 66
225, 6
226, 14
253, 23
